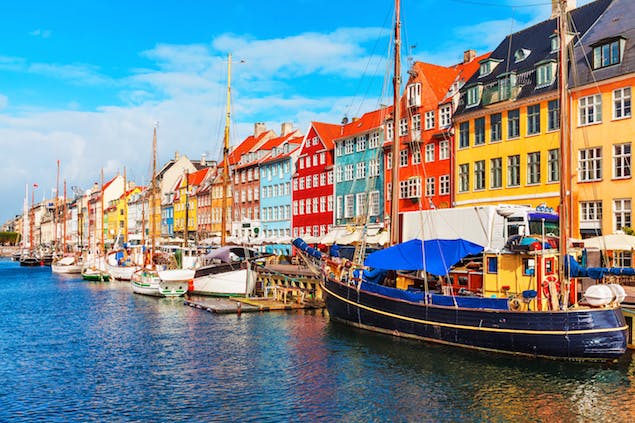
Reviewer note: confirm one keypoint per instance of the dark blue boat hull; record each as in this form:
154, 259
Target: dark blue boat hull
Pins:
582, 334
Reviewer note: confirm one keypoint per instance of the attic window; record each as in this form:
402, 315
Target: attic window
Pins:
555, 43
607, 52
521, 54
545, 73
487, 66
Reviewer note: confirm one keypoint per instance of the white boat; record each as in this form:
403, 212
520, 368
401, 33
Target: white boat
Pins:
227, 275
121, 265
67, 265
150, 282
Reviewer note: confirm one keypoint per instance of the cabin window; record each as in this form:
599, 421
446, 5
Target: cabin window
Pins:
529, 267
549, 266
462, 280
492, 265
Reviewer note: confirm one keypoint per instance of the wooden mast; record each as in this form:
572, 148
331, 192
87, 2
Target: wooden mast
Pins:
223, 233
151, 206
55, 213
394, 198
125, 206
564, 152
101, 248
65, 211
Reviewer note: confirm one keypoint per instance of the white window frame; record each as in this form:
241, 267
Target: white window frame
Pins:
622, 103
590, 110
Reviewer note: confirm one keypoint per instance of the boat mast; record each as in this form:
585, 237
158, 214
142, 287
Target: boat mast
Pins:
186, 233
125, 206
64, 221
151, 206
55, 216
101, 248
564, 152
25, 218
394, 199
223, 232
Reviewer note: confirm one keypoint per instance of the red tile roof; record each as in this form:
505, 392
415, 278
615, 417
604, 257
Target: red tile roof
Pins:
365, 123
327, 133
247, 145
195, 179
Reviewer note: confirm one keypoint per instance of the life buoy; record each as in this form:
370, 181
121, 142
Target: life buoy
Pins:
514, 304
545, 285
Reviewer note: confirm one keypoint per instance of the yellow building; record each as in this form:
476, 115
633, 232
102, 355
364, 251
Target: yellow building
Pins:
218, 193
602, 125
186, 187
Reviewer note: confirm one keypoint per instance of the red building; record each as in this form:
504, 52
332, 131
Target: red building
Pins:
312, 186
427, 105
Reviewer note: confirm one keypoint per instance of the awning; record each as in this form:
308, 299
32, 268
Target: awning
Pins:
620, 242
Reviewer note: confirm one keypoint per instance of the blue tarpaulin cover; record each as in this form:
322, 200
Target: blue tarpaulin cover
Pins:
577, 271
440, 255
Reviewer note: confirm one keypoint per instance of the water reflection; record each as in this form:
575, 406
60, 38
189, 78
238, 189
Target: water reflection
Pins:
79, 351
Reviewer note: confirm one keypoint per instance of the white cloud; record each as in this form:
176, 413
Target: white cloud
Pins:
4, 101
79, 74
41, 33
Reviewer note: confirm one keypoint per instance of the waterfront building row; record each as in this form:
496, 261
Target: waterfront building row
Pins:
484, 131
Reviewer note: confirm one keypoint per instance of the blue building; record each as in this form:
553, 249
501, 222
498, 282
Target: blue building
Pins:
276, 171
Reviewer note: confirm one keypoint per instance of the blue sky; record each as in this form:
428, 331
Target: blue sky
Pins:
83, 81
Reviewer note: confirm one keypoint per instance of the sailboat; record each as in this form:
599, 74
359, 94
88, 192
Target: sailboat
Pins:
227, 270
148, 280
27, 255
67, 263
94, 268
537, 322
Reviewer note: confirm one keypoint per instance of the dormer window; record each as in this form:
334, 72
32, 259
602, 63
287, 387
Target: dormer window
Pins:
487, 66
607, 52
474, 95
555, 43
545, 73
521, 54
414, 95
506, 85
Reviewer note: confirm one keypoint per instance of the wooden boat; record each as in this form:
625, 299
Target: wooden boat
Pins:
227, 274
67, 265
532, 313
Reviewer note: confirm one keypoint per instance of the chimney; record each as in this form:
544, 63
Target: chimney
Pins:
259, 128
177, 156
203, 162
286, 128
555, 7
469, 55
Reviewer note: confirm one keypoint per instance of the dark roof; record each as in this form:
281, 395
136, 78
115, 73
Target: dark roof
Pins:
536, 39
617, 21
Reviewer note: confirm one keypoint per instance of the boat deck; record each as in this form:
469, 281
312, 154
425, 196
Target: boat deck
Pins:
247, 305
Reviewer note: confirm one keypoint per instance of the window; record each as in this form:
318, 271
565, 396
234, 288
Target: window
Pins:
479, 175
429, 153
374, 204
348, 172
429, 119
464, 177
533, 119
360, 170
373, 167
349, 146
506, 85
389, 160
479, 131
316, 182
485, 68
322, 158
590, 109
349, 205
414, 95
495, 121
555, 43
621, 214
553, 165
464, 135
389, 130
403, 158
416, 156
513, 171
590, 164
403, 126
301, 184
361, 143
521, 54
590, 214
374, 140
308, 182
322, 180
533, 167
329, 177
445, 116
430, 187
444, 150
361, 204
301, 207
622, 160
410, 188
553, 115
513, 123
329, 203
444, 184
473, 95
339, 174
496, 173
338, 207
492, 264
622, 103
416, 122
545, 74
606, 54
339, 150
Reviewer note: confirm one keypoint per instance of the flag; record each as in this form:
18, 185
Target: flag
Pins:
35, 185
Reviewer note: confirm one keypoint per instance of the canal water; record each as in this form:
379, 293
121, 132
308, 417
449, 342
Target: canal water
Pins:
84, 351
